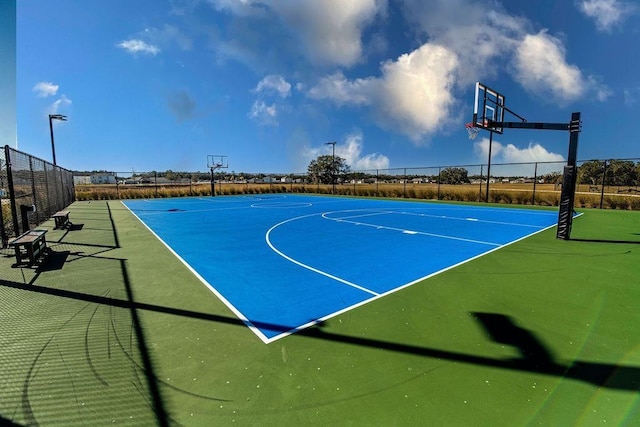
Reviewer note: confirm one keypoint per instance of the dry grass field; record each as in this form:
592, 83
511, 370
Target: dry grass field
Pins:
507, 193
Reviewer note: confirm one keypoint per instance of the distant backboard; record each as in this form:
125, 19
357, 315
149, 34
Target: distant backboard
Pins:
216, 161
489, 107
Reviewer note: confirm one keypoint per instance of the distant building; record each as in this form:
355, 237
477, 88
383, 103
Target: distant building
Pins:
98, 178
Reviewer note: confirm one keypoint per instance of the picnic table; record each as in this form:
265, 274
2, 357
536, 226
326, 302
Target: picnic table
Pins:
30, 245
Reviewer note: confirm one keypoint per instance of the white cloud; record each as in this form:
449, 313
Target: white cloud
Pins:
327, 32
351, 151
264, 114
330, 30
606, 13
337, 88
481, 43
60, 103
416, 94
167, 35
136, 46
274, 83
541, 68
413, 96
45, 89
509, 153
486, 45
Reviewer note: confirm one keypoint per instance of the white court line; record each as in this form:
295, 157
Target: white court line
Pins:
360, 216
204, 281
455, 218
308, 267
405, 231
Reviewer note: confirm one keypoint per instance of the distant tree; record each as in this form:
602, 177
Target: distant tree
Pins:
324, 168
590, 172
454, 176
171, 175
551, 178
621, 173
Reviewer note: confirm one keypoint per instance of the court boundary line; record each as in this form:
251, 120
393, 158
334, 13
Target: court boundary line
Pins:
209, 286
374, 297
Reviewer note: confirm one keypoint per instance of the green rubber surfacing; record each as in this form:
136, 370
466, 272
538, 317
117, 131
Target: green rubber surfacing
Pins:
113, 329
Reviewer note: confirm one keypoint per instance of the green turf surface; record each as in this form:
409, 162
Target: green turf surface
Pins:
113, 329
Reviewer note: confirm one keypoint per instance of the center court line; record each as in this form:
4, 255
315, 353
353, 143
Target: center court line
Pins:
412, 232
308, 267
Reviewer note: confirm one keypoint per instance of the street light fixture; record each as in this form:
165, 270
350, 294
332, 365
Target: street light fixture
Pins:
333, 166
51, 118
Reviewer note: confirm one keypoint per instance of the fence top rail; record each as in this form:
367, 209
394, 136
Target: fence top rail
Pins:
186, 174
22, 153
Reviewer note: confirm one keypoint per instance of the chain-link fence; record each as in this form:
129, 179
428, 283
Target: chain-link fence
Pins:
601, 183
31, 190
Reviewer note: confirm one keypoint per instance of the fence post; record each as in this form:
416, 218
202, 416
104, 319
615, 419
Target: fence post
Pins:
354, 184
46, 187
60, 204
480, 190
33, 194
439, 170
404, 187
604, 180
377, 179
12, 192
535, 180
4, 238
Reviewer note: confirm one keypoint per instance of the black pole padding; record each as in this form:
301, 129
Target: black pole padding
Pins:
565, 215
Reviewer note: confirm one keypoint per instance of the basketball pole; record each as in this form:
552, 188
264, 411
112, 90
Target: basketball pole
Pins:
213, 182
570, 173
486, 196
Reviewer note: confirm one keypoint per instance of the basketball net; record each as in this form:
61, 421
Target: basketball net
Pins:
472, 130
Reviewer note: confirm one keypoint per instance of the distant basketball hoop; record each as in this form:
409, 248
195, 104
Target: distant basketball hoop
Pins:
215, 162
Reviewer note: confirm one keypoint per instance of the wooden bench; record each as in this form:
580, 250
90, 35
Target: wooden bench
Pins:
30, 246
61, 218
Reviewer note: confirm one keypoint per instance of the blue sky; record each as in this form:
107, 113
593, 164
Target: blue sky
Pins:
161, 84
7, 73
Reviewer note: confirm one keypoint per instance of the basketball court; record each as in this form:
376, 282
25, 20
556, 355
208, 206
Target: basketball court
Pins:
282, 263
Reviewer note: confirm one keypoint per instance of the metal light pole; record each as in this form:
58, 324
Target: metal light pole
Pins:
51, 118
333, 166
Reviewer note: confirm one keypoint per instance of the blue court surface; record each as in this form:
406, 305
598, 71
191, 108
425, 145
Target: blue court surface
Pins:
282, 263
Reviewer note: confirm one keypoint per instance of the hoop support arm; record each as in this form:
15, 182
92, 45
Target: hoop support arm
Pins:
529, 125
573, 126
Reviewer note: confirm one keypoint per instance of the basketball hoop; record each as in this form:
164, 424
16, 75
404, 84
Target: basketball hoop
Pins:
472, 130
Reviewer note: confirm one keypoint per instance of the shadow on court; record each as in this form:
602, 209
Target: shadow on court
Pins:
534, 357
626, 242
